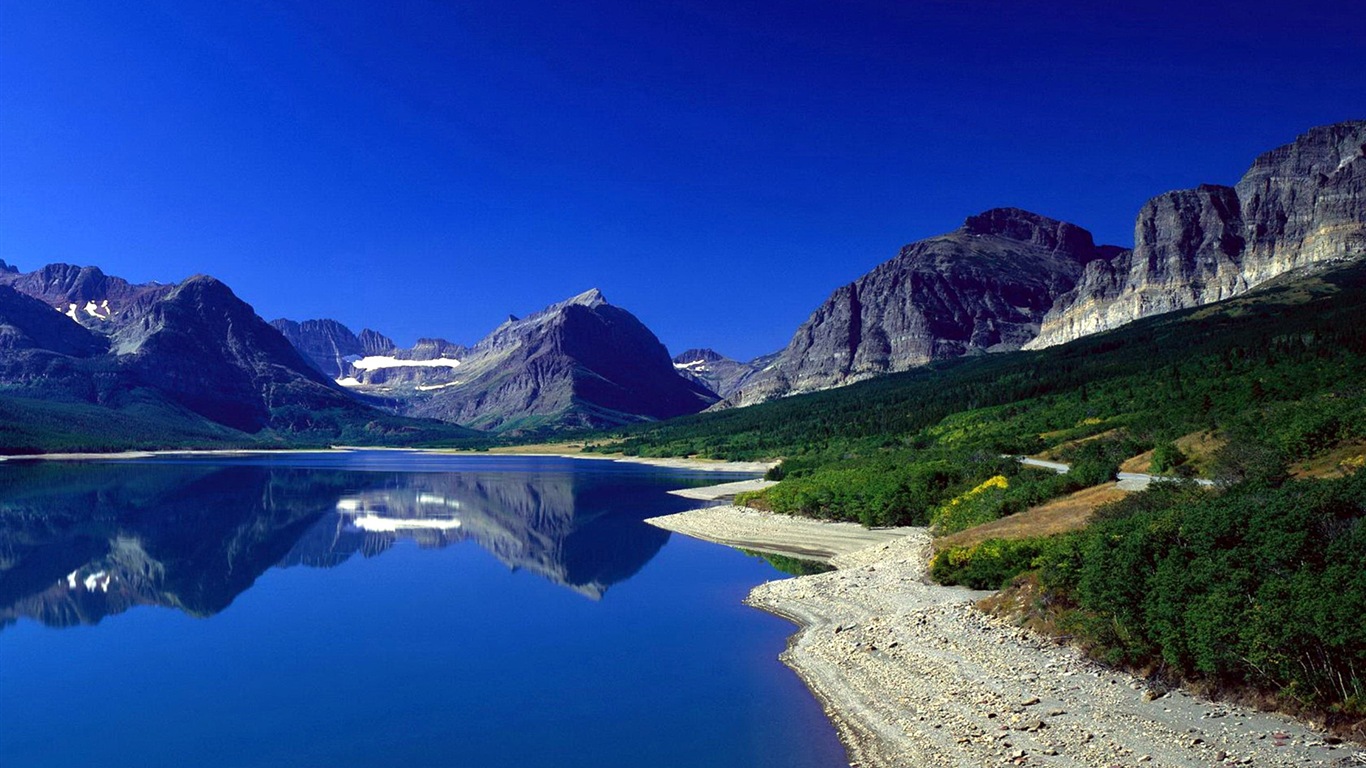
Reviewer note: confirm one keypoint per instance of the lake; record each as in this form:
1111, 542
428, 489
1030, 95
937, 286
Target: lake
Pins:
382, 608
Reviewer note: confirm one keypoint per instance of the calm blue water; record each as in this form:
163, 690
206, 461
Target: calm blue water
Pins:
382, 609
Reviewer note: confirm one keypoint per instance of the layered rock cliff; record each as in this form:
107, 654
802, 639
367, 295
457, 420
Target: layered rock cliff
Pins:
984, 287
1299, 205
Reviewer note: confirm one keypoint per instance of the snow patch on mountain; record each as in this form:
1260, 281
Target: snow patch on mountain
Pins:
375, 362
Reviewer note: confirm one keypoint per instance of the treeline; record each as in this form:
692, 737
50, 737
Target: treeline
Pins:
1259, 585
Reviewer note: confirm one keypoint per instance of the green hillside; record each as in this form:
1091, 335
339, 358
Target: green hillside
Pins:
1255, 586
1279, 375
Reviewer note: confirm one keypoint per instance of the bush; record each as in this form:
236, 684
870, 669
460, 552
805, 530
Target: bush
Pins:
992, 564
982, 504
1259, 585
1166, 458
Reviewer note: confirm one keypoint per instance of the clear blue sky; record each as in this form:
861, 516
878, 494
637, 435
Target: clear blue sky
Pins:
717, 168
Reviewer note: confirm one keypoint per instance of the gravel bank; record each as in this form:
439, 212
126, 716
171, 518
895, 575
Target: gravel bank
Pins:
913, 675
778, 534
723, 490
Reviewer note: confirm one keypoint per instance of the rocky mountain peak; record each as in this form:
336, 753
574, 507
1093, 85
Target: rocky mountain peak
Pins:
579, 362
1034, 229
434, 348
1323, 150
375, 343
7, 268
698, 354
589, 298
326, 344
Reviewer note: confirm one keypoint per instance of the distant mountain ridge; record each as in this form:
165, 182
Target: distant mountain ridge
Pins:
1006, 279
984, 287
581, 362
331, 346
717, 372
190, 357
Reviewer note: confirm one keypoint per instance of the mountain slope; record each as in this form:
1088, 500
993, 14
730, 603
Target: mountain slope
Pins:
1287, 358
175, 362
982, 288
717, 372
581, 362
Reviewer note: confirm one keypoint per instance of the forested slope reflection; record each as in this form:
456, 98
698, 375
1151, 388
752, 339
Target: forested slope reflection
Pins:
79, 542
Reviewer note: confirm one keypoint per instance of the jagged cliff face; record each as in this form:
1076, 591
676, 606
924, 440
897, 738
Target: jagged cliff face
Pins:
330, 346
1299, 205
982, 288
581, 362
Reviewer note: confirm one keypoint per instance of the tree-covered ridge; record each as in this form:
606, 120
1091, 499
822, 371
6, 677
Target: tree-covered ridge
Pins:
1280, 374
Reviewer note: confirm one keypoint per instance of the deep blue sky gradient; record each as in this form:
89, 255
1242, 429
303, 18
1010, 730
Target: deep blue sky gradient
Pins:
716, 168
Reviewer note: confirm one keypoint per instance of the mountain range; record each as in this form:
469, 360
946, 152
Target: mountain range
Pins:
579, 363
81, 351
1010, 279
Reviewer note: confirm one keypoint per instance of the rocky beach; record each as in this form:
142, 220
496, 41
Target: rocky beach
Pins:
913, 674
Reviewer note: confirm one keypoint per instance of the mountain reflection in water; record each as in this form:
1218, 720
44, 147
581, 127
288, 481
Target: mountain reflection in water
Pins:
81, 541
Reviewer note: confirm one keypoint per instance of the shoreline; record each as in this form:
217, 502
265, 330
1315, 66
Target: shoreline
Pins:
771, 533
912, 674
701, 465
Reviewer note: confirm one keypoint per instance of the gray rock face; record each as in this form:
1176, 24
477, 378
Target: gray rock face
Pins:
327, 344
982, 288
79, 334
29, 324
84, 294
717, 372
581, 362
375, 343
1299, 205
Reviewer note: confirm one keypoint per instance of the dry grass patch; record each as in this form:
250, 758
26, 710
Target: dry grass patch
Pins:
1339, 462
1199, 448
1055, 452
1069, 513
